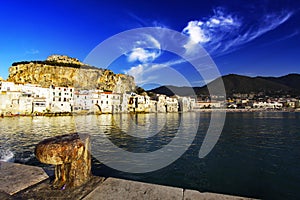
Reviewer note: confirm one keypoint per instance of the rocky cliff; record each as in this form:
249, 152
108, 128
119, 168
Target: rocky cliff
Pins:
65, 71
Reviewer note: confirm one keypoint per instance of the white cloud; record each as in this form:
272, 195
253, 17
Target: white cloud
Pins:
224, 32
145, 50
196, 33
142, 55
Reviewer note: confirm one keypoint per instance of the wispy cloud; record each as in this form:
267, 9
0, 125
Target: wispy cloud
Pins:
147, 72
142, 22
32, 52
145, 50
224, 32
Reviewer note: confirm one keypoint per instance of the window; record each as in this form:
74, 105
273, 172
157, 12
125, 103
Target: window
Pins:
59, 99
53, 98
65, 99
59, 94
106, 102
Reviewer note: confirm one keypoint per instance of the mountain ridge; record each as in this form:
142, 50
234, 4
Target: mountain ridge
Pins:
240, 84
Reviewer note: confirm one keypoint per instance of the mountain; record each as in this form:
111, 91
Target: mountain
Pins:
291, 80
170, 90
238, 84
61, 70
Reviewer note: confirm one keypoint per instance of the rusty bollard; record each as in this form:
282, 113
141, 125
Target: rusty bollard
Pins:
71, 156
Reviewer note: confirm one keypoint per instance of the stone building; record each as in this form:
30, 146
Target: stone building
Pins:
139, 103
61, 99
82, 100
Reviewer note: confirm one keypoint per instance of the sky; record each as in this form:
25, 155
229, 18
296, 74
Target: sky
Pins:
253, 38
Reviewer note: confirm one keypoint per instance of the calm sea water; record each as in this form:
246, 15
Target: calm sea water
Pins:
257, 154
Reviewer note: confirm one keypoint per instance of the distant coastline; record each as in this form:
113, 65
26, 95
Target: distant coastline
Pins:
196, 110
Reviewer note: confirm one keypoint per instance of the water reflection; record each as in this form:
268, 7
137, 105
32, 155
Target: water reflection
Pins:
257, 154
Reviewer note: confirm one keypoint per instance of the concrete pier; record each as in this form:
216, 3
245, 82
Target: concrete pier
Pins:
118, 189
16, 177
17, 180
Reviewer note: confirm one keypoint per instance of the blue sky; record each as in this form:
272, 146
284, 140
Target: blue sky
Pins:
243, 37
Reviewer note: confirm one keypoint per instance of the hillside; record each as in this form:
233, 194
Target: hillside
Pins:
234, 84
65, 71
290, 80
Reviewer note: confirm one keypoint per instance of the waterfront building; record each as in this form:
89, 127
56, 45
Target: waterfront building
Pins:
185, 103
61, 99
39, 104
153, 106
108, 102
161, 103
268, 105
10, 102
82, 100
139, 103
41, 97
171, 104
8, 86
13, 100
124, 102
205, 104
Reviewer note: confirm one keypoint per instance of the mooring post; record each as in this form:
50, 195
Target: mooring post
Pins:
71, 156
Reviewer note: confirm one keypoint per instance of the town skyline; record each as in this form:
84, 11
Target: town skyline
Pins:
253, 39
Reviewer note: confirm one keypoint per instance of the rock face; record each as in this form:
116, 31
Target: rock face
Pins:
65, 71
71, 156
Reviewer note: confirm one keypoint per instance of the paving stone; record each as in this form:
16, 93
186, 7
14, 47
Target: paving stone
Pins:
16, 177
118, 189
193, 195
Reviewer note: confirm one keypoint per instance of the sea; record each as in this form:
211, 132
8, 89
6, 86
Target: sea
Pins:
257, 154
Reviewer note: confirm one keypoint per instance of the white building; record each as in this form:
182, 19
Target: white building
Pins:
161, 103
61, 99
186, 103
41, 102
172, 104
8, 86
82, 100
139, 103
108, 102
270, 105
